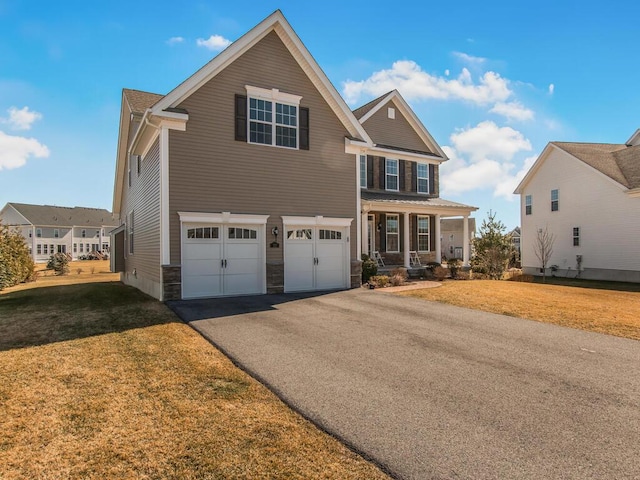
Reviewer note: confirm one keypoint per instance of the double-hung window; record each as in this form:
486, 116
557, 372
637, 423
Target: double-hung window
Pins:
83, 233
423, 234
528, 204
39, 232
393, 233
273, 117
391, 174
130, 225
363, 171
56, 233
423, 178
554, 201
576, 236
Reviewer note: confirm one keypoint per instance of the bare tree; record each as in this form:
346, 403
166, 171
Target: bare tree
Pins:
543, 248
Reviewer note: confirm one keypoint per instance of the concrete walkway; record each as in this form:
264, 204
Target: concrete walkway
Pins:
435, 391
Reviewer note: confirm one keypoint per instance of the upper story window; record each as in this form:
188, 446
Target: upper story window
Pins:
554, 201
423, 178
576, 236
39, 232
363, 171
130, 225
528, 204
56, 233
83, 233
97, 233
273, 118
391, 174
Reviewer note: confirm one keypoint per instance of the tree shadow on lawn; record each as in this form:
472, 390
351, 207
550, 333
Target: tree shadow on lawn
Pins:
40, 316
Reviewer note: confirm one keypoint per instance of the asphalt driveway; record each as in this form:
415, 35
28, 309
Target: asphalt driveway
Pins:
435, 391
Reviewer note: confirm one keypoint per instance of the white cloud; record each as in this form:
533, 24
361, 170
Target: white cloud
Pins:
552, 88
21, 119
214, 42
175, 40
482, 157
447, 72
470, 59
513, 111
414, 83
15, 150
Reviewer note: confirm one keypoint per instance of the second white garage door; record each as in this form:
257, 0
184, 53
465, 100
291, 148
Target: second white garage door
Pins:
315, 257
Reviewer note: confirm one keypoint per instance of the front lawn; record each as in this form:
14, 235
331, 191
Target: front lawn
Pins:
585, 307
100, 381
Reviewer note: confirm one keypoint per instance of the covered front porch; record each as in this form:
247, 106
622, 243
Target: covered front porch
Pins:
406, 232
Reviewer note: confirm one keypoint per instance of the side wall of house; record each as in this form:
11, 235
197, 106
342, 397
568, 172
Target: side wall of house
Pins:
209, 171
608, 219
142, 267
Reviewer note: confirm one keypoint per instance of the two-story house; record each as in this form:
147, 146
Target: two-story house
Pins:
588, 196
49, 229
254, 176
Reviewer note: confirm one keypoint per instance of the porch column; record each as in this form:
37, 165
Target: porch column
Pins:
364, 231
465, 240
406, 244
438, 240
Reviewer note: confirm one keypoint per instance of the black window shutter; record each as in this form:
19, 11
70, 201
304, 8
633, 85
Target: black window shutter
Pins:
369, 171
414, 177
401, 171
432, 233
414, 233
304, 128
241, 118
383, 232
383, 172
432, 180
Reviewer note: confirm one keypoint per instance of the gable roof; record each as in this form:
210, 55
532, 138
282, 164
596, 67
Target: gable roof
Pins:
276, 22
368, 110
140, 101
619, 162
54, 216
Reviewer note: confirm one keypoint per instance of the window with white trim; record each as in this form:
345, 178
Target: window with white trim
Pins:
39, 249
393, 233
363, 171
554, 201
423, 178
45, 249
82, 248
576, 236
242, 233
56, 233
528, 204
391, 174
130, 225
30, 234
273, 117
83, 233
38, 232
75, 248
325, 234
423, 234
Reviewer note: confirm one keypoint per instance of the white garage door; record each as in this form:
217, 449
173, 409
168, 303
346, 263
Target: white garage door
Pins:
221, 260
315, 258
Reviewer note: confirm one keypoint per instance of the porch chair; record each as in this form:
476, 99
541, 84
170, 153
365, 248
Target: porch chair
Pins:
414, 259
378, 258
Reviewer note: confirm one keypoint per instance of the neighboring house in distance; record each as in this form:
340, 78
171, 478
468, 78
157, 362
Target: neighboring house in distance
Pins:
49, 229
516, 236
253, 176
452, 236
588, 196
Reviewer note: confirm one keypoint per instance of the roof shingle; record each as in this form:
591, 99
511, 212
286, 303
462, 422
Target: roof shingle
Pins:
54, 216
139, 101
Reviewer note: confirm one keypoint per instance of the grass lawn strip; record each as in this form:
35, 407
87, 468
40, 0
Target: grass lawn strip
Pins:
100, 381
597, 310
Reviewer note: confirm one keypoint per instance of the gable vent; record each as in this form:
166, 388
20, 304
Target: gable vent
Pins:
391, 113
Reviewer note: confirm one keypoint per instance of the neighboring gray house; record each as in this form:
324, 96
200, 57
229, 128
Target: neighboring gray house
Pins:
451, 231
515, 241
49, 229
253, 176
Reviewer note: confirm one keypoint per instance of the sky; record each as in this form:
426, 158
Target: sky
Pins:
493, 82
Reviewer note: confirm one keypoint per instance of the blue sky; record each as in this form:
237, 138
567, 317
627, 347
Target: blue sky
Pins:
493, 82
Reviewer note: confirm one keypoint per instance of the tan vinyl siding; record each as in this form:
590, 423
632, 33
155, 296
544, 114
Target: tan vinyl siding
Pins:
211, 172
397, 132
144, 199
